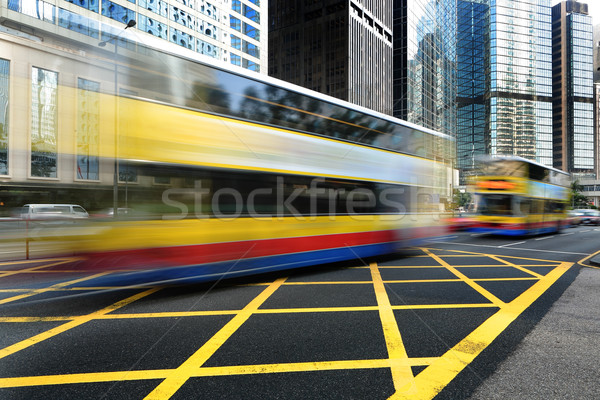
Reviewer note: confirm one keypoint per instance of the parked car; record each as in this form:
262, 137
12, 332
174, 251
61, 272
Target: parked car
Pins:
52, 212
590, 217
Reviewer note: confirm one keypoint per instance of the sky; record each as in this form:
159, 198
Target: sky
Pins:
593, 9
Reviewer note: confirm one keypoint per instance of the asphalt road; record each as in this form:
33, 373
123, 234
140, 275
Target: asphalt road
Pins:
476, 316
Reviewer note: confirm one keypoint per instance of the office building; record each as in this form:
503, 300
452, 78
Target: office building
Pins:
472, 138
504, 66
342, 49
231, 31
425, 63
573, 105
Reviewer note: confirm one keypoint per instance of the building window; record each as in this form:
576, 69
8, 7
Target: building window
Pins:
236, 42
36, 9
236, 60
156, 6
91, 5
4, 90
235, 23
44, 120
117, 12
88, 129
251, 49
251, 31
181, 38
251, 14
77, 23
127, 173
251, 65
236, 5
153, 27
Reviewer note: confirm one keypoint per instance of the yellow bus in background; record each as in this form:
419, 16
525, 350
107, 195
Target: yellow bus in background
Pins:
515, 196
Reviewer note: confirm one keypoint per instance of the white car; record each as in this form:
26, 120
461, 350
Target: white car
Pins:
52, 212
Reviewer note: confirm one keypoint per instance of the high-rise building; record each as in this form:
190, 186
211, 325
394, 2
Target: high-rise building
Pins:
504, 66
573, 108
520, 80
339, 48
472, 138
425, 63
231, 31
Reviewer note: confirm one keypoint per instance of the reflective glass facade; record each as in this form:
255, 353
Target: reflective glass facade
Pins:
471, 137
425, 63
520, 79
574, 142
44, 123
198, 25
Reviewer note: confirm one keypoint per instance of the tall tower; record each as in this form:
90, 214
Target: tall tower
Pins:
343, 49
472, 138
519, 98
425, 63
572, 56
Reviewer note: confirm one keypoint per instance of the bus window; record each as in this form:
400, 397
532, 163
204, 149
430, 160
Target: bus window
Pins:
523, 205
496, 204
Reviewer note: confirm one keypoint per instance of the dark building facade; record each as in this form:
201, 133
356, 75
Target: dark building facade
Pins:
339, 48
573, 108
472, 138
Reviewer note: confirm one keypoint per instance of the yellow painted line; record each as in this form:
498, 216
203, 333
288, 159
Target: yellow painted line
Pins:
94, 377
519, 267
51, 288
583, 264
66, 379
443, 370
517, 258
443, 306
72, 324
496, 301
402, 375
505, 279
179, 376
34, 269
183, 314
39, 260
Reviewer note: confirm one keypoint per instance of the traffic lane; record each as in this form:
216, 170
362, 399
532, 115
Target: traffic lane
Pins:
332, 337
571, 244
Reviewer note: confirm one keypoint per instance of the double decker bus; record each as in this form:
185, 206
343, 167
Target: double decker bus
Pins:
515, 196
219, 172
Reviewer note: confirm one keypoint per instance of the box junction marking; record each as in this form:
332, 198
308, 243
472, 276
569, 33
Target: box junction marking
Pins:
438, 370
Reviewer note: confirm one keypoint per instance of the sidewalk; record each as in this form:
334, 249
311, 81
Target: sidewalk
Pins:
559, 358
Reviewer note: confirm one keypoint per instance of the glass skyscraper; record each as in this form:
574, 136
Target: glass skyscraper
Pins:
504, 67
520, 79
425, 63
574, 143
471, 134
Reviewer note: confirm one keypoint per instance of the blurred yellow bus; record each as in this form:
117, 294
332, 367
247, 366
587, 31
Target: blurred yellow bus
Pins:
515, 196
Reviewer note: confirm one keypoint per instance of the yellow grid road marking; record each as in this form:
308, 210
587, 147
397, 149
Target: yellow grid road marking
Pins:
439, 372
519, 267
11, 272
93, 377
51, 288
467, 280
70, 325
435, 377
401, 372
179, 376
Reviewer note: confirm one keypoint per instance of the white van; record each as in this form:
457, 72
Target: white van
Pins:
52, 212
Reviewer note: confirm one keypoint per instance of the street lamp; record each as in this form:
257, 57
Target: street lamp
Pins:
113, 39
